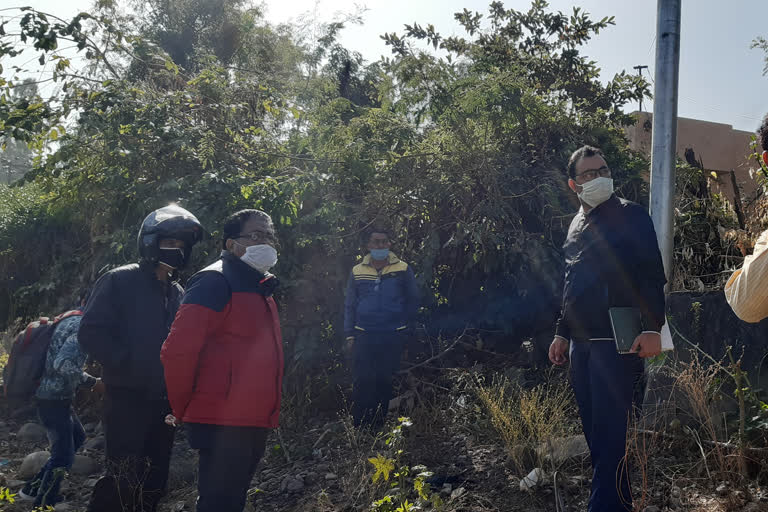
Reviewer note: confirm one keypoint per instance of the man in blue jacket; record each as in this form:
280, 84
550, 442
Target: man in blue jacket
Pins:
612, 259
381, 302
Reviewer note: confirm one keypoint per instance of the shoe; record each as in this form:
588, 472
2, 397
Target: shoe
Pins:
22, 496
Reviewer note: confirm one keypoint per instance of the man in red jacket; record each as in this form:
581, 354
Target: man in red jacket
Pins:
223, 361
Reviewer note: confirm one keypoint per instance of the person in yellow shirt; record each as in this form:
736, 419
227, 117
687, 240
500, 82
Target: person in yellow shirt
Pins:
747, 289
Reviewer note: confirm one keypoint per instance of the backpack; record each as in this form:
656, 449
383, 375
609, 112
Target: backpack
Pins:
26, 362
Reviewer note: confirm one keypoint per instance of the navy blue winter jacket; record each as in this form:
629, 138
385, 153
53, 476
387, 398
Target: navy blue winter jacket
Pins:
612, 259
385, 300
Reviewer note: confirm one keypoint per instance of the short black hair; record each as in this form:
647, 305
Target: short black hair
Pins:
582, 152
233, 225
762, 133
368, 233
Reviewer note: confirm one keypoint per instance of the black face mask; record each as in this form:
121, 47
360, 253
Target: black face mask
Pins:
174, 257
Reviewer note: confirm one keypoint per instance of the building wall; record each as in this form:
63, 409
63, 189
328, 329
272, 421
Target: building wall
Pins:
718, 146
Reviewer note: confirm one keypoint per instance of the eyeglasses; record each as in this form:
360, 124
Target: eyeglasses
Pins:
261, 237
591, 174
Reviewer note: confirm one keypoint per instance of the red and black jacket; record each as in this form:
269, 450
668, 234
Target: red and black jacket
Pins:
223, 358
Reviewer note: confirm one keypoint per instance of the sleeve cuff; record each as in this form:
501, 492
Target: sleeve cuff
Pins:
562, 338
652, 332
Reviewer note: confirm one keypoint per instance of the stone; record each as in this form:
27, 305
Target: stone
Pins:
563, 449
329, 477
292, 484
183, 470
15, 484
458, 493
32, 433
32, 464
84, 466
722, 489
97, 443
62, 507
310, 478
675, 492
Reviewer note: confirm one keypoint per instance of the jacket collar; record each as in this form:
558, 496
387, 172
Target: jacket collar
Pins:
265, 283
609, 204
392, 259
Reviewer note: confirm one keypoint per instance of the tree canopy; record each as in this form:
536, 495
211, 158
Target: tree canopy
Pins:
460, 148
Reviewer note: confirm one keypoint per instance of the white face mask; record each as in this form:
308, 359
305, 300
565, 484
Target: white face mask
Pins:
261, 257
597, 191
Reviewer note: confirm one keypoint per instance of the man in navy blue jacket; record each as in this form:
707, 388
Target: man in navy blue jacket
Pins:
612, 259
381, 302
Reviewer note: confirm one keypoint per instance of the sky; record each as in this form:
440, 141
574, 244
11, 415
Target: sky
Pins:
721, 78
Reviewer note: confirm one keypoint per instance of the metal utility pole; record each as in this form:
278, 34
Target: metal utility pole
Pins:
664, 142
640, 73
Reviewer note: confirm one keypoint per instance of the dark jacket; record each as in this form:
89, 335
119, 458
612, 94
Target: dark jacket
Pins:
224, 356
612, 259
126, 320
385, 300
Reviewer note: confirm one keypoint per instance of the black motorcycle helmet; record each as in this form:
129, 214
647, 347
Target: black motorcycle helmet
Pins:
168, 222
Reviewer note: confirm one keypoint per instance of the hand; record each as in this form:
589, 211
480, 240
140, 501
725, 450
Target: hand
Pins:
172, 421
647, 344
558, 351
98, 387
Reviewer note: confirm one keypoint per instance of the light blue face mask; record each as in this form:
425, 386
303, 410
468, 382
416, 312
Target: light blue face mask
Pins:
379, 254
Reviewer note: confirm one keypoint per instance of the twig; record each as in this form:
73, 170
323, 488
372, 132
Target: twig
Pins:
282, 445
437, 356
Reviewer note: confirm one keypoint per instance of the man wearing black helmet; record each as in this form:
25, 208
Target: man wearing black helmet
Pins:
124, 325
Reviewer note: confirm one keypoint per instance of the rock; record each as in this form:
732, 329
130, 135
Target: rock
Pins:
89, 427
97, 443
84, 466
62, 507
292, 484
32, 464
183, 470
722, 489
15, 484
531, 480
330, 477
675, 492
32, 433
447, 489
458, 493
90, 483
404, 402
562, 449
310, 478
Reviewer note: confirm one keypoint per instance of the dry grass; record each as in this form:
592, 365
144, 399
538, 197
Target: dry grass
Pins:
699, 385
524, 419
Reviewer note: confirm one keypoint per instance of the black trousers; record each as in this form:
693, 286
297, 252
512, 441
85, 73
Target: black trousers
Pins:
228, 460
376, 360
138, 449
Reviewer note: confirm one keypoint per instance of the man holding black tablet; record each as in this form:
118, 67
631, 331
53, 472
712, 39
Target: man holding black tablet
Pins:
612, 262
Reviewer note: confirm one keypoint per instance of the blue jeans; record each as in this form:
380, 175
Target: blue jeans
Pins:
376, 358
605, 384
66, 435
